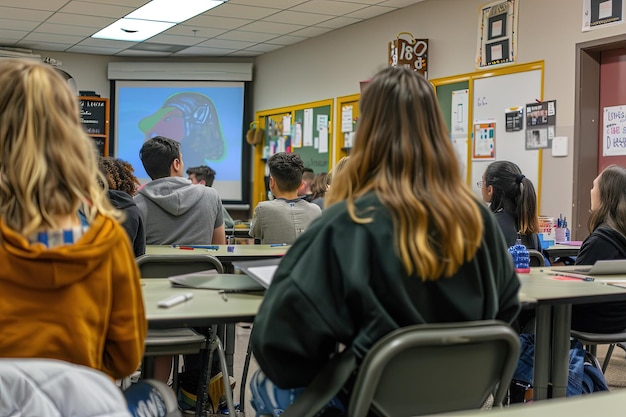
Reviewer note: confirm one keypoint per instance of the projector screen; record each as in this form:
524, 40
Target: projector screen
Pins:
207, 118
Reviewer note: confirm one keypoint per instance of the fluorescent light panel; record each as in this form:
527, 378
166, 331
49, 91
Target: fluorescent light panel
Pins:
173, 10
154, 18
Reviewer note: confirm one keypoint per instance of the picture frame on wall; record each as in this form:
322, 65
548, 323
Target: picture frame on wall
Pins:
497, 34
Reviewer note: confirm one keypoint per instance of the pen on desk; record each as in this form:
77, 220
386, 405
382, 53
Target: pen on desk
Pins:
589, 279
174, 300
188, 247
274, 245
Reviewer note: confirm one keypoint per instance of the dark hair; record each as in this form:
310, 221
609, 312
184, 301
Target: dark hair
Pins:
513, 193
320, 185
157, 155
203, 173
286, 169
118, 174
612, 196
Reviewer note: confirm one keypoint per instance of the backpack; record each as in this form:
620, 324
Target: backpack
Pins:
585, 375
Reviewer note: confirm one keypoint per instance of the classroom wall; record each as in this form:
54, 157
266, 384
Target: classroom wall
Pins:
333, 64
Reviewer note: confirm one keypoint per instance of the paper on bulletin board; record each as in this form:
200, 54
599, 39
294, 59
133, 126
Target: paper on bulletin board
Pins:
600, 14
297, 136
484, 140
614, 128
322, 121
346, 119
280, 145
307, 128
459, 113
323, 135
287, 125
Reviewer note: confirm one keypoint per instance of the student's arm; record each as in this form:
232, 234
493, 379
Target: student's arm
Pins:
219, 235
124, 344
255, 224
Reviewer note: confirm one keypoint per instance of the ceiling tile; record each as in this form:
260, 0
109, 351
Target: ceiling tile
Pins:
240, 11
24, 14
44, 46
50, 5
276, 4
225, 44
95, 22
65, 29
286, 40
93, 50
106, 43
96, 9
338, 22
245, 53
370, 12
328, 7
311, 31
133, 3
216, 22
242, 35
271, 27
8, 37
53, 38
20, 25
200, 51
264, 47
366, 2
298, 18
195, 31
131, 52
399, 3
175, 39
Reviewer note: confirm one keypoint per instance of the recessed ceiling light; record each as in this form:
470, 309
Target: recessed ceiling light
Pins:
133, 30
173, 11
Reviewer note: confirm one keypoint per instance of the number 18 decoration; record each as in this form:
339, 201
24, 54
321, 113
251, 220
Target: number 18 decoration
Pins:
409, 52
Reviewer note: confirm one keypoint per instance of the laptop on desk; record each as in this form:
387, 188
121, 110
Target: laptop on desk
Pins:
262, 271
609, 267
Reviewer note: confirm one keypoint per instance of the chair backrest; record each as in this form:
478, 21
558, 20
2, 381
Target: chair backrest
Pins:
536, 258
435, 368
164, 266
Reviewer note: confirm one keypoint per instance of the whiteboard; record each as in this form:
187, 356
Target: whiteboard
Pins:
491, 97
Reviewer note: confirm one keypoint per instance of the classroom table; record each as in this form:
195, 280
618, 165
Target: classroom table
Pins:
206, 308
553, 299
606, 404
562, 250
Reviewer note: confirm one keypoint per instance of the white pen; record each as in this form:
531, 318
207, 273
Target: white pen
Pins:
175, 299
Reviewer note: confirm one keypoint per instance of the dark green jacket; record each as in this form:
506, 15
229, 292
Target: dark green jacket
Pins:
342, 282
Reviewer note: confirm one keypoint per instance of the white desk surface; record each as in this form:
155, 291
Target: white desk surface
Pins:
207, 307
605, 404
238, 253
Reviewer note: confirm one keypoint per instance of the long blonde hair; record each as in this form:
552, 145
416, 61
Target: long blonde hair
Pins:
402, 151
48, 163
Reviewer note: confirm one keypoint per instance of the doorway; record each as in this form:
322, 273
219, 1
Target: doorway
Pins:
594, 60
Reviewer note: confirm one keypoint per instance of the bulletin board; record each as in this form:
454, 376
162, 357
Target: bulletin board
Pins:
94, 116
345, 124
490, 93
305, 129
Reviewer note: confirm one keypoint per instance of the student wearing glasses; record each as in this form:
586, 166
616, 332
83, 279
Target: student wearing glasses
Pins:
402, 241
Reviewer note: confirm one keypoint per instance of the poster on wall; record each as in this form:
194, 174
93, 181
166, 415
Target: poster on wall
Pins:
497, 34
602, 13
614, 128
484, 140
459, 126
514, 117
540, 124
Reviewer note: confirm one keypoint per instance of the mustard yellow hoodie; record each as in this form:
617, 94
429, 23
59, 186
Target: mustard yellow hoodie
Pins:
81, 303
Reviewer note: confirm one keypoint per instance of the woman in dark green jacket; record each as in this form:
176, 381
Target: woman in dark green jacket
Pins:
403, 241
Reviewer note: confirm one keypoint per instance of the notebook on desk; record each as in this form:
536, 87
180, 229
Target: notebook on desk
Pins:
609, 267
209, 280
262, 271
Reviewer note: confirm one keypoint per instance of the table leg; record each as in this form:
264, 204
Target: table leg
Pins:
560, 349
543, 333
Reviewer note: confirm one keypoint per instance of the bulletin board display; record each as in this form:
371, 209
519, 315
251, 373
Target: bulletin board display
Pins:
305, 129
488, 95
346, 118
94, 116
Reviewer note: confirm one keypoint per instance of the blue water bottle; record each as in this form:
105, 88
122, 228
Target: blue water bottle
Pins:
567, 237
521, 258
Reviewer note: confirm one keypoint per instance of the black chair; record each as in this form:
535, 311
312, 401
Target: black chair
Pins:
536, 258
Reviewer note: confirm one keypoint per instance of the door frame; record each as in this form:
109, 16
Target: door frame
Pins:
586, 119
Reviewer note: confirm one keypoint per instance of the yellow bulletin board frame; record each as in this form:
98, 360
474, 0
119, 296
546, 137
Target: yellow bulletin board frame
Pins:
352, 100
262, 118
470, 79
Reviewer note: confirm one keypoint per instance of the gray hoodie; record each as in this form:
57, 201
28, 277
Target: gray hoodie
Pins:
175, 211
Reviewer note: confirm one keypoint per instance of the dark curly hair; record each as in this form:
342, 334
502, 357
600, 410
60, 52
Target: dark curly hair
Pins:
119, 174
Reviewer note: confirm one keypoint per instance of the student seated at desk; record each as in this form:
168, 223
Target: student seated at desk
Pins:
607, 240
286, 217
513, 201
71, 288
402, 241
206, 176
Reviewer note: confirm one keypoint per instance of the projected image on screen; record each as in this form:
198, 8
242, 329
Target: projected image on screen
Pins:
206, 118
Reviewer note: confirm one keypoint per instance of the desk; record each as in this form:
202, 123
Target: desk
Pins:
239, 252
206, 308
606, 404
553, 300
561, 250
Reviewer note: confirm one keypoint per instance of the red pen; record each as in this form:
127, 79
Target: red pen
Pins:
184, 247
